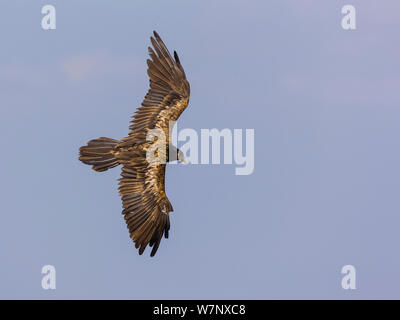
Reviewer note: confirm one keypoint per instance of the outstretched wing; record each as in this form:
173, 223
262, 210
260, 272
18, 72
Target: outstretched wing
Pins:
167, 97
142, 185
145, 205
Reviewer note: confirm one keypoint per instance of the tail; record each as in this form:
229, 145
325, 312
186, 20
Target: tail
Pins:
98, 153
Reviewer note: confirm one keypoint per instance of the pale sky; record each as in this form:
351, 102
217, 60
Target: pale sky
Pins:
325, 107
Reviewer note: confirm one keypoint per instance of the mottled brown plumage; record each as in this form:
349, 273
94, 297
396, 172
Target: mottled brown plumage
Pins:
142, 184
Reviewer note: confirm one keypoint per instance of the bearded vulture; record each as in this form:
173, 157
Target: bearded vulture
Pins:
142, 184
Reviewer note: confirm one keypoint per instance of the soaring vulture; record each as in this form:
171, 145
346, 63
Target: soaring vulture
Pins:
142, 184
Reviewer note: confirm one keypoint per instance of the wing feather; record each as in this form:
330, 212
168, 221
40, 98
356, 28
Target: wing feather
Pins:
167, 97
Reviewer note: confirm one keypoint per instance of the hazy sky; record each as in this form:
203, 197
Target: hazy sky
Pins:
325, 107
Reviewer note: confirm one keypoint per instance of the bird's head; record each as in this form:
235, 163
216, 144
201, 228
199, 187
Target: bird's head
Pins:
181, 157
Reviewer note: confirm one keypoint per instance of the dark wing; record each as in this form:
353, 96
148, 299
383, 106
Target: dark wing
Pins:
167, 97
142, 185
146, 207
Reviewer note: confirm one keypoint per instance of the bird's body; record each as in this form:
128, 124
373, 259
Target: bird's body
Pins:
142, 184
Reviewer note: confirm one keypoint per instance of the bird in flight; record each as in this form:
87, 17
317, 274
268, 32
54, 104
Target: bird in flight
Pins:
142, 184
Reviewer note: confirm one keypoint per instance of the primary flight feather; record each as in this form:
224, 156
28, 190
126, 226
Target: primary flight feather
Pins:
142, 184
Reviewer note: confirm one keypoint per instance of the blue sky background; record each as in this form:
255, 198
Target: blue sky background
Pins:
325, 106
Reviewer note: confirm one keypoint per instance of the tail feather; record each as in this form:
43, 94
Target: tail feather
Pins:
98, 153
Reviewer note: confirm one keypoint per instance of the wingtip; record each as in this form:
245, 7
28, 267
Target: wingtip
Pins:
176, 57
153, 251
156, 34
